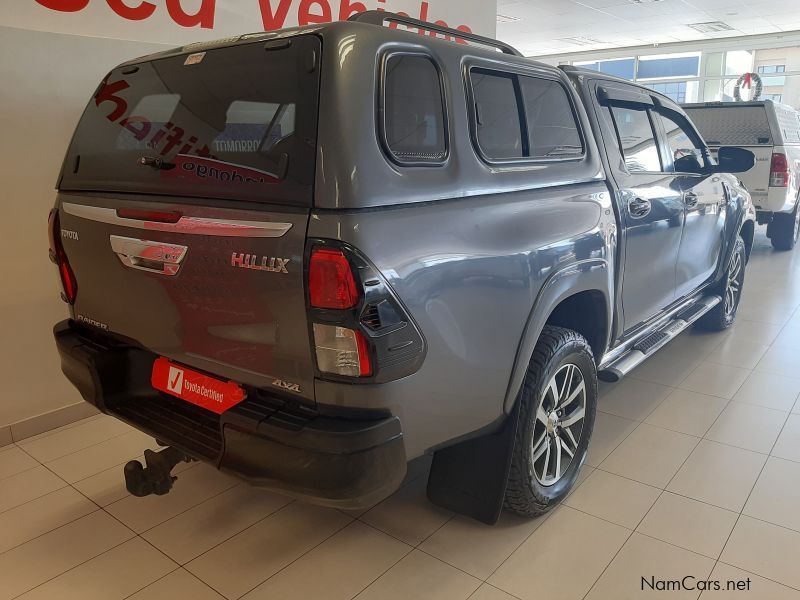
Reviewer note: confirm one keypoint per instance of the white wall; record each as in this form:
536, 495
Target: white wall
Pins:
45, 81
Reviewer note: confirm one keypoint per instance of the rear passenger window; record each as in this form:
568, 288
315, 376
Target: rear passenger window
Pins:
521, 117
637, 139
552, 130
414, 119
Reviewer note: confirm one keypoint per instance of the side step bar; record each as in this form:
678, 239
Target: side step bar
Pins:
651, 344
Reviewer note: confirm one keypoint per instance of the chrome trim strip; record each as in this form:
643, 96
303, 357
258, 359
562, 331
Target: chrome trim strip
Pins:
185, 225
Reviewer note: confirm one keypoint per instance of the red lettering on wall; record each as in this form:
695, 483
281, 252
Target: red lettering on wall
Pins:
204, 17
465, 29
132, 13
273, 21
306, 17
274, 13
64, 5
348, 8
423, 16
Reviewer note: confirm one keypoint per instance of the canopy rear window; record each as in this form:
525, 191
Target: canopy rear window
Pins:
732, 125
234, 123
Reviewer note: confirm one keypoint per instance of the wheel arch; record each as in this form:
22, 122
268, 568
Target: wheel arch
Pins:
576, 297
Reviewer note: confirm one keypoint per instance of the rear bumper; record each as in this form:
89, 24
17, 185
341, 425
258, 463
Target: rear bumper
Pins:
778, 200
272, 442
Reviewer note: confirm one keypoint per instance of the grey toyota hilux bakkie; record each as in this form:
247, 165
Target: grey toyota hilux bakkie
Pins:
310, 256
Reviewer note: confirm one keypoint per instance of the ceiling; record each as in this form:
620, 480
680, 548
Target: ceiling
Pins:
542, 27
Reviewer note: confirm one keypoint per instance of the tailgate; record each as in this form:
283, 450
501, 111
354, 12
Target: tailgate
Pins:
220, 290
756, 179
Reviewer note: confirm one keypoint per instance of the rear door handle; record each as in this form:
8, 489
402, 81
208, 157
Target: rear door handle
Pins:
639, 208
154, 257
691, 200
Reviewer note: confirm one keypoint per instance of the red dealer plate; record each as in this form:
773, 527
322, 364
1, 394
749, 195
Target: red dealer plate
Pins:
198, 388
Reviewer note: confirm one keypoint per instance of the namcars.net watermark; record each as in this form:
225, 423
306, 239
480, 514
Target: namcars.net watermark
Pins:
691, 583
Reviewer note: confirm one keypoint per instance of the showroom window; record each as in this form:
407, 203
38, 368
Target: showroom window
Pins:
414, 121
668, 66
676, 90
520, 117
618, 67
771, 69
637, 139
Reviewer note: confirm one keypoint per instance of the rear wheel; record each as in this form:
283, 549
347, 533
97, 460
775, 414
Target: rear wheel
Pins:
557, 411
723, 314
785, 229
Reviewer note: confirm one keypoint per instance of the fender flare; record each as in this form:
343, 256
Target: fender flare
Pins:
582, 276
738, 219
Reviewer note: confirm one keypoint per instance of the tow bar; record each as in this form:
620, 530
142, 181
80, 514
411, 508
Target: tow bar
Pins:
156, 477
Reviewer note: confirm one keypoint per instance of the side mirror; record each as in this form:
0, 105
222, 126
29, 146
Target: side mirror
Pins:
735, 160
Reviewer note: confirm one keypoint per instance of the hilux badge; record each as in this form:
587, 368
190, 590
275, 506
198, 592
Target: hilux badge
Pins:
263, 263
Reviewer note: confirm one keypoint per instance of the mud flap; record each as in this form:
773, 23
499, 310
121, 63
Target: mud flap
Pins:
470, 478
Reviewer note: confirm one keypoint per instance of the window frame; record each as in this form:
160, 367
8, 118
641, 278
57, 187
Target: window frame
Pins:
688, 128
381, 116
655, 127
515, 72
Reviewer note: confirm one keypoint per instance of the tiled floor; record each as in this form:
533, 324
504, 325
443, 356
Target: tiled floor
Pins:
694, 469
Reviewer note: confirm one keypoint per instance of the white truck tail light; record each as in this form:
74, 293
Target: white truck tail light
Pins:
779, 171
341, 351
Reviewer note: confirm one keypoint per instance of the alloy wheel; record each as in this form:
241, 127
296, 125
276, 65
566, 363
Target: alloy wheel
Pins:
733, 290
559, 424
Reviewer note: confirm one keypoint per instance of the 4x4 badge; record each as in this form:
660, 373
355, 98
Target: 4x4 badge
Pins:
264, 263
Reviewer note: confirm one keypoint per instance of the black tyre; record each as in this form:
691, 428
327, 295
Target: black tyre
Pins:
785, 229
557, 411
723, 314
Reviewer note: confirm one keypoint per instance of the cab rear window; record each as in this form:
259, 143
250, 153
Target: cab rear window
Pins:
232, 123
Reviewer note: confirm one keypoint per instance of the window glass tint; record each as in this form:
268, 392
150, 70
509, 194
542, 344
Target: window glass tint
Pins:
521, 117
239, 123
552, 130
636, 135
255, 126
498, 114
414, 121
686, 150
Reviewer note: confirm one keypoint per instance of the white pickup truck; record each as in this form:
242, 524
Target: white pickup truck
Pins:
772, 132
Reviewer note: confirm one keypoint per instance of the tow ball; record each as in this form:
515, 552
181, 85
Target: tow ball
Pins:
156, 477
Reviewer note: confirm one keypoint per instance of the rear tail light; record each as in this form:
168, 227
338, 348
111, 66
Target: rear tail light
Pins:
779, 171
330, 280
57, 255
342, 351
